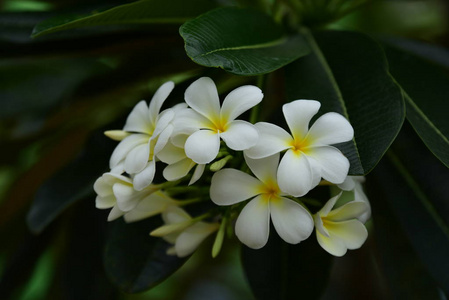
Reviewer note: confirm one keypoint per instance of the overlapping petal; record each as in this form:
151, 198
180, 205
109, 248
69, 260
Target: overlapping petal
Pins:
151, 205
292, 222
144, 178
352, 232
179, 169
158, 100
202, 96
230, 186
264, 169
137, 120
125, 146
137, 158
298, 115
334, 165
202, 146
272, 139
294, 174
253, 224
240, 100
240, 135
331, 128
191, 238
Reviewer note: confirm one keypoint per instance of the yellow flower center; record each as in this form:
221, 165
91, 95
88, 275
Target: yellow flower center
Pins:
270, 191
299, 146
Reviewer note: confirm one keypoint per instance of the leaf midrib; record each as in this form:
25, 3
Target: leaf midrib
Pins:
247, 47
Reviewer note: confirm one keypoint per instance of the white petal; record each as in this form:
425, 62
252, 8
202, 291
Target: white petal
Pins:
240, 100
298, 115
294, 174
171, 154
162, 139
125, 146
127, 197
174, 215
145, 178
179, 169
240, 135
359, 195
334, 165
158, 100
152, 205
348, 184
265, 168
102, 202
315, 168
319, 225
137, 158
203, 146
102, 188
202, 96
330, 128
191, 238
138, 120
187, 121
253, 224
352, 233
292, 222
199, 170
272, 139
350, 210
331, 244
115, 213
230, 186
324, 211
164, 119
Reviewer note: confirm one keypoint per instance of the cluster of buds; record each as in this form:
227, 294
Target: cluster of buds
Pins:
272, 171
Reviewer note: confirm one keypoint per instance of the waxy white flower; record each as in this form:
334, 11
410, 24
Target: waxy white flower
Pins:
151, 205
179, 165
339, 230
309, 156
292, 222
117, 192
209, 122
184, 232
353, 191
150, 131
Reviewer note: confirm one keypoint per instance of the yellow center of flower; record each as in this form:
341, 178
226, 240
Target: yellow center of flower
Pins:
299, 146
270, 191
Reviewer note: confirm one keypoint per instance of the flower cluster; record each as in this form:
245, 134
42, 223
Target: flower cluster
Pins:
272, 169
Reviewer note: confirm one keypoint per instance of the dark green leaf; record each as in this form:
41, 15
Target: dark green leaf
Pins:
241, 41
283, 271
139, 12
410, 192
426, 90
136, 261
71, 184
398, 263
347, 72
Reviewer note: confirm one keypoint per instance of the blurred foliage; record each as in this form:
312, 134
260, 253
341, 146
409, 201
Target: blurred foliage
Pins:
60, 91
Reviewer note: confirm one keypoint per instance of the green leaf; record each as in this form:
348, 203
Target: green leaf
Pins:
348, 73
241, 41
284, 271
415, 187
139, 12
136, 261
70, 184
426, 90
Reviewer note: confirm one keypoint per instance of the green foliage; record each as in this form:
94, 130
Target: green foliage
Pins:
241, 41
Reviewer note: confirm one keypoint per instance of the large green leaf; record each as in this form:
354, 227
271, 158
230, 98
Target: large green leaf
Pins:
139, 12
414, 184
283, 271
426, 90
70, 184
241, 41
136, 261
348, 73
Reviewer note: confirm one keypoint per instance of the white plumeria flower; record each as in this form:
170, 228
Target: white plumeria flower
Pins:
339, 230
353, 191
150, 131
186, 234
309, 156
179, 165
117, 192
209, 122
292, 222
151, 205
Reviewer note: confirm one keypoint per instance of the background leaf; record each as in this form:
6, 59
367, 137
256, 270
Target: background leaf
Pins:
241, 41
136, 261
426, 89
347, 72
414, 184
70, 184
139, 12
283, 271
